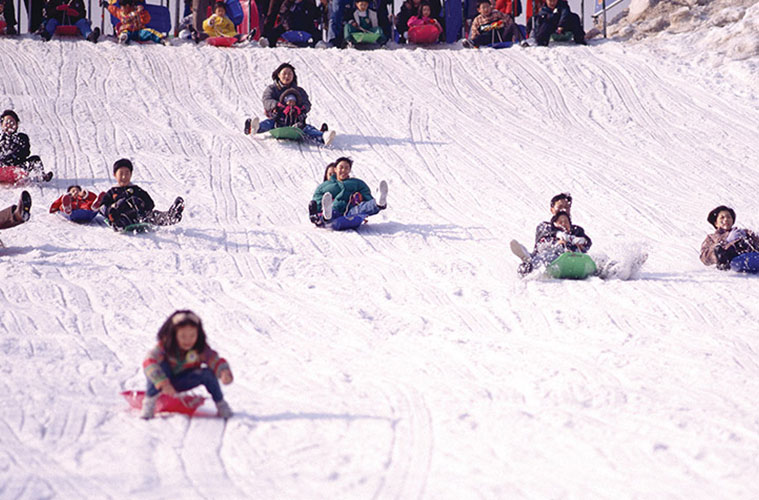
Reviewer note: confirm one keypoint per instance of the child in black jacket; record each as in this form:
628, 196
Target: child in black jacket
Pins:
556, 17
126, 204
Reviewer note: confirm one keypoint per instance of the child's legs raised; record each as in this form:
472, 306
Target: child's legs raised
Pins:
364, 208
190, 379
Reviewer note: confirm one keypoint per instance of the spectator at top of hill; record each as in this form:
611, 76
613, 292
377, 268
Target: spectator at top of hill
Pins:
133, 19
556, 17
294, 15
67, 13
342, 12
492, 26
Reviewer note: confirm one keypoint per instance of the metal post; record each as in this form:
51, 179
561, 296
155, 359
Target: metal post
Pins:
604, 7
582, 16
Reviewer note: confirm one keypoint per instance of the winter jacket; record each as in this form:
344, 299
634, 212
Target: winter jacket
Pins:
216, 26
507, 6
722, 237
299, 16
546, 233
558, 16
274, 91
481, 21
7, 13
130, 19
83, 201
14, 148
342, 191
139, 198
65, 12
367, 20
420, 21
180, 362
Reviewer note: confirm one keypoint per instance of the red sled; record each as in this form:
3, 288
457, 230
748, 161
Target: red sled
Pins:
67, 30
12, 175
427, 33
185, 404
221, 41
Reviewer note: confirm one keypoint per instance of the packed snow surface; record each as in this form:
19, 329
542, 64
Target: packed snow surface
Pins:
405, 359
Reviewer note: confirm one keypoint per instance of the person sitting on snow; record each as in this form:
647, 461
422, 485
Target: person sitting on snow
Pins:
364, 21
562, 202
67, 12
219, 25
424, 18
75, 198
556, 17
8, 17
14, 149
294, 15
277, 112
492, 26
554, 241
16, 214
727, 242
342, 194
133, 19
126, 204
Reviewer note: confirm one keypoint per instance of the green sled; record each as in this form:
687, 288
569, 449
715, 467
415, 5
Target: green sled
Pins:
571, 265
140, 227
562, 37
289, 133
365, 37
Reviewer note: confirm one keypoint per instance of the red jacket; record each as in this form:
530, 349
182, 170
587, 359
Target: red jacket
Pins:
82, 202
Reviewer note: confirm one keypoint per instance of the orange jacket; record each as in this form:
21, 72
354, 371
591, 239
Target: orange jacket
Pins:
130, 19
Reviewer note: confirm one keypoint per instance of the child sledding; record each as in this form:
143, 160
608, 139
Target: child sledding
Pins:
77, 204
286, 106
15, 163
729, 247
493, 28
133, 19
127, 207
344, 202
69, 16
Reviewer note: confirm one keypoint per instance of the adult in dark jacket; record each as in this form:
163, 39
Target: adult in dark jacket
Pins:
279, 114
342, 194
14, 148
8, 14
727, 242
298, 15
556, 17
555, 239
67, 12
562, 202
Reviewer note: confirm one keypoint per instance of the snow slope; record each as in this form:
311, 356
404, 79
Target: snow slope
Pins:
405, 360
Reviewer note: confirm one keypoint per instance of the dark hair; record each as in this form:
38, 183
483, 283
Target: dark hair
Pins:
561, 196
712, 217
275, 75
11, 113
74, 186
559, 214
220, 4
167, 335
123, 163
480, 2
421, 6
344, 158
124, 3
331, 165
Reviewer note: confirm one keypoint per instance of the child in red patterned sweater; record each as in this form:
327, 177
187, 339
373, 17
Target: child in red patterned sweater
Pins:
183, 360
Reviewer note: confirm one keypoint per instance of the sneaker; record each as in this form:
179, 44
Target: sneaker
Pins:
164, 41
327, 206
321, 45
313, 212
251, 35
263, 42
324, 127
520, 251
329, 137
99, 201
467, 44
175, 211
248, 126
223, 410
94, 35
524, 43
123, 37
148, 406
251, 125
66, 204
382, 202
47, 177
24, 206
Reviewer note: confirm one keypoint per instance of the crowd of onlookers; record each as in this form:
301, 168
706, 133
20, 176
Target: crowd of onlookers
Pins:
331, 23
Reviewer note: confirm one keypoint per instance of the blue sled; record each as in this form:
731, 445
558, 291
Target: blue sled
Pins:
347, 222
81, 216
297, 38
746, 263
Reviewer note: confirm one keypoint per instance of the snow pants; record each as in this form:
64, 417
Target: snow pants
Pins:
189, 379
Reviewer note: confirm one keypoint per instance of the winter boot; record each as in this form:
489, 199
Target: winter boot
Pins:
251, 125
148, 406
46, 36
520, 251
94, 35
24, 206
382, 202
313, 213
223, 410
329, 136
123, 38
324, 127
175, 211
327, 206
66, 204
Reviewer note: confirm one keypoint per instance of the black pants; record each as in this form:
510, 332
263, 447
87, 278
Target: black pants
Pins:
547, 27
508, 33
35, 13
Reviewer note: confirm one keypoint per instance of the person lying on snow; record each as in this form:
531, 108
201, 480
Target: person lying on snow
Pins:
554, 241
556, 17
342, 194
67, 12
277, 112
126, 204
14, 149
8, 16
492, 26
727, 242
295, 15
16, 214
75, 198
364, 21
183, 360
133, 19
